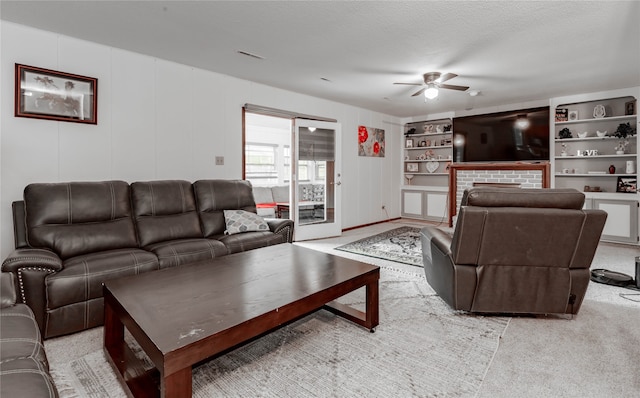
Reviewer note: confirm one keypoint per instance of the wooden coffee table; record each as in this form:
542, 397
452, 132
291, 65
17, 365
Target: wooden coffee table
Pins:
184, 315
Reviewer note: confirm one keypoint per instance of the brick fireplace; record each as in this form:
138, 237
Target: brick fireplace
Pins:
518, 175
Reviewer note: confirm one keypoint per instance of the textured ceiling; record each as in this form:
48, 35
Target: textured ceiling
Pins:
511, 52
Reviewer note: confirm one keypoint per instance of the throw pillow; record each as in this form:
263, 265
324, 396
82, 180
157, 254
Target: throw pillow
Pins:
238, 221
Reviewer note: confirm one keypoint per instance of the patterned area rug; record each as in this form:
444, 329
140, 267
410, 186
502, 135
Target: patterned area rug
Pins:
420, 349
401, 245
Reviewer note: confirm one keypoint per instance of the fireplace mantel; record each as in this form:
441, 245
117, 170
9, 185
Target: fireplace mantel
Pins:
542, 175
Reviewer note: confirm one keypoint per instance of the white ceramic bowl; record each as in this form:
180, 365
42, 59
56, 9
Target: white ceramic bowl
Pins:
601, 133
583, 134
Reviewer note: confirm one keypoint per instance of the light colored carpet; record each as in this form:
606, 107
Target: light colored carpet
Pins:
595, 354
420, 348
399, 244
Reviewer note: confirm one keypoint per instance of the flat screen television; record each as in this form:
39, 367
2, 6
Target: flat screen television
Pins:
521, 135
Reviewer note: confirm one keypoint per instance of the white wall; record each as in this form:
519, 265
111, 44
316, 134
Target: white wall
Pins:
159, 120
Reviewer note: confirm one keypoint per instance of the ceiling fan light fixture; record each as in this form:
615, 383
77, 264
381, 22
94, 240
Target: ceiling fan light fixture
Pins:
431, 92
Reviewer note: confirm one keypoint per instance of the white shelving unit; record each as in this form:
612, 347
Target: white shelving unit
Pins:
426, 180
588, 171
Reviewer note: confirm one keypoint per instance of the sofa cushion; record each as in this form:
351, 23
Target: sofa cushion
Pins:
164, 210
266, 211
185, 251
262, 195
81, 277
238, 221
280, 194
213, 197
79, 217
305, 192
26, 377
20, 335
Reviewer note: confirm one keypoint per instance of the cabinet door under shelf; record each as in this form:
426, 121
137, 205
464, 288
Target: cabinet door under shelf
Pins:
622, 219
425, 205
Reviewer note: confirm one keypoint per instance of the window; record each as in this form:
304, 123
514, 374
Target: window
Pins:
321, 171
260, 163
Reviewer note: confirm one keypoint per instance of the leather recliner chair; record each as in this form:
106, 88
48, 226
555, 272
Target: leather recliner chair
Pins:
515, 251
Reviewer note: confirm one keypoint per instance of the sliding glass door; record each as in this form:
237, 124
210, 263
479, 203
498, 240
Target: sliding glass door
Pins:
294, 166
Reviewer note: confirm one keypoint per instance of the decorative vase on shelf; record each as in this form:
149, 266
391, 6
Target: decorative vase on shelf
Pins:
612, 169
409, 177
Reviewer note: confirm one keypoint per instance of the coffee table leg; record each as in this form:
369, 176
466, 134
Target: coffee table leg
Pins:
372, 306
177, 385
370, 318
114, 336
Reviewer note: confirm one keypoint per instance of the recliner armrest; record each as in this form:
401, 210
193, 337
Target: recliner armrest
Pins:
32, 258
437, 237
7, 290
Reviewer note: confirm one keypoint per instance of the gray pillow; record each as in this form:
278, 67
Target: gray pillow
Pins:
238, 221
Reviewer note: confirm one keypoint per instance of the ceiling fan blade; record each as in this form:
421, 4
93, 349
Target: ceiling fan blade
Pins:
445, 77
453, 87
410, 84
419, 92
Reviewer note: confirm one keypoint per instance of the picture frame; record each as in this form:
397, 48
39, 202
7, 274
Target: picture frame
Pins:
630, 108
627, 184
573, 115
562, 114
408, 143
412, 167
53, 95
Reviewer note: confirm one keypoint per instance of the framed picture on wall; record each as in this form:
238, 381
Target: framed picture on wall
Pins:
47, 94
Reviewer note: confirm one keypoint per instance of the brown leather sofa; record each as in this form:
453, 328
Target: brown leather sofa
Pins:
71, 237
24, 369
515, 251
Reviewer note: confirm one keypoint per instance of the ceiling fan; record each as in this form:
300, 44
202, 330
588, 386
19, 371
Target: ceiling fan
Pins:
433, 81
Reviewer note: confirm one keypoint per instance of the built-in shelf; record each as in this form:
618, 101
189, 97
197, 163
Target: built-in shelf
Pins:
427, 134
425, 174
427, 160
605, 138
592, 175
574, 157
429, 147
603, 119
602, 190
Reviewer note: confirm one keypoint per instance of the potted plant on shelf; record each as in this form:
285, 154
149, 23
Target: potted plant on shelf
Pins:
623, 131
565, 133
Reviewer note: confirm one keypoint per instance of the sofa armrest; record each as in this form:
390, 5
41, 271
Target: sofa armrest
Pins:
7, 290
30, 268
32, 258
281, 226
